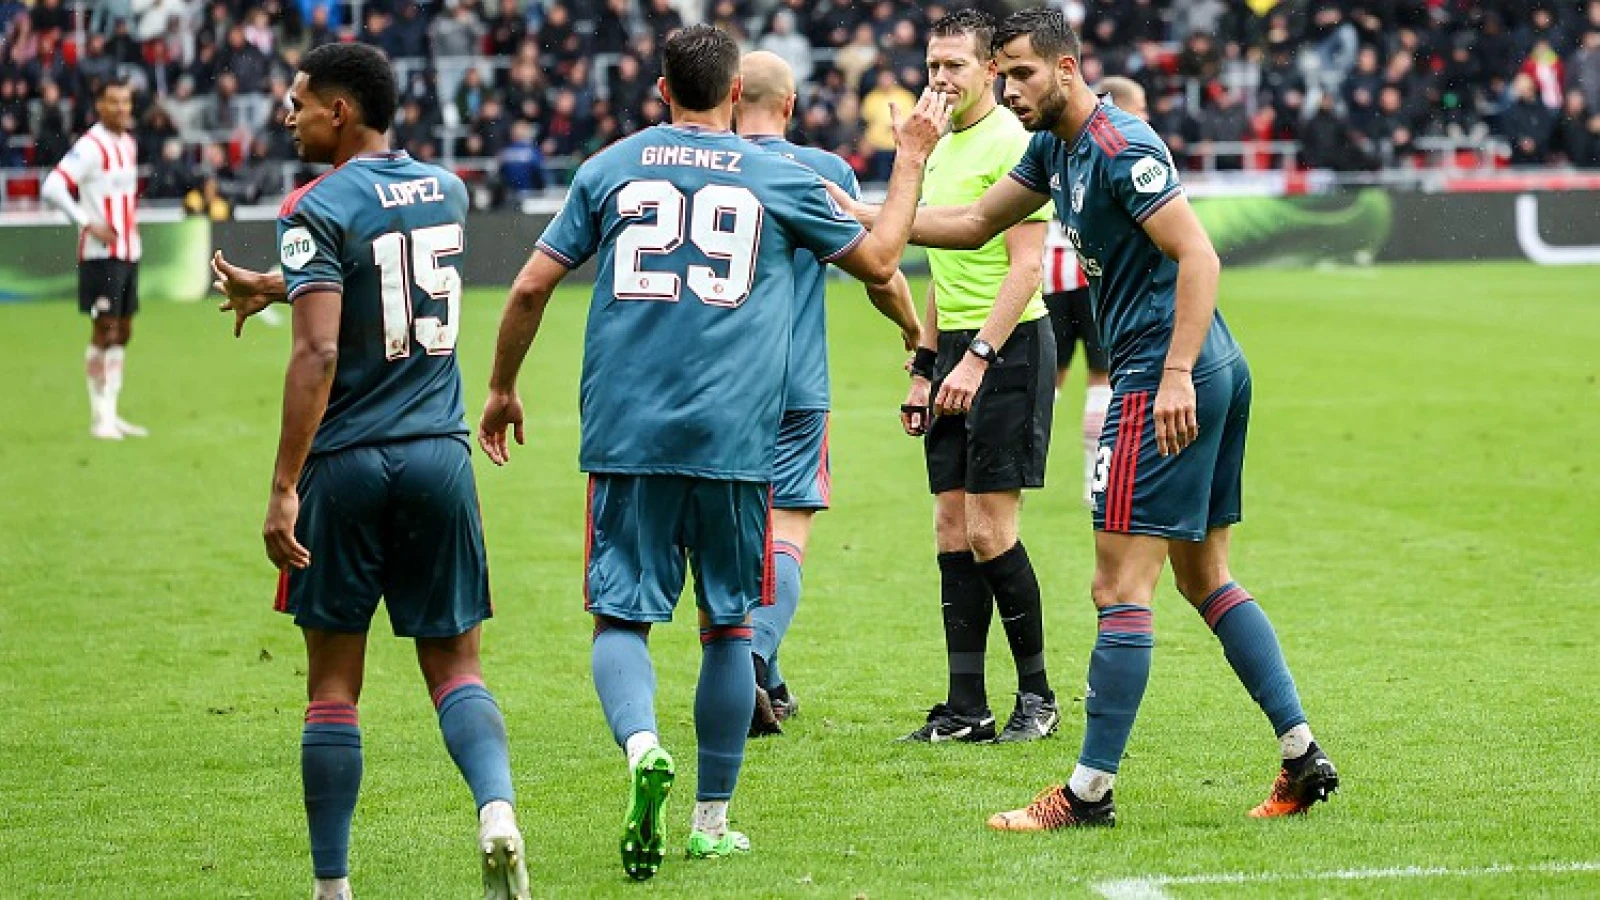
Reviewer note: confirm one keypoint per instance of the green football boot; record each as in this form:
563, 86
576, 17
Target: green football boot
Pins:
704, 846
644, 831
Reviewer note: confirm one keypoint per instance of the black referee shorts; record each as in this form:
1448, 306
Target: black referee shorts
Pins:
108, 287
1002, 443
1072, 313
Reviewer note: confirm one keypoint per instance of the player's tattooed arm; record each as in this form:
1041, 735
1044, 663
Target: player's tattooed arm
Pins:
312, 361
968, 227
1178, 232
519, 324
245, 292
893, 300
1024, 245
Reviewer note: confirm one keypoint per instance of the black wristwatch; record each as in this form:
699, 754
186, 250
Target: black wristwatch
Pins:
982, 350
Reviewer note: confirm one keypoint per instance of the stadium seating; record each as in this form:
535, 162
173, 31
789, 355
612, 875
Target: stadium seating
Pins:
1266, 85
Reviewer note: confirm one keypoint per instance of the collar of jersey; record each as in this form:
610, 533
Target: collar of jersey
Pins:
692, 128
968, 129
383, 155
1083, 132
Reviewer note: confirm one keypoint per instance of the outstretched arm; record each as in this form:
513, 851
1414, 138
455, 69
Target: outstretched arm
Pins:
968, 227
1179, 234
875, 259
519, 324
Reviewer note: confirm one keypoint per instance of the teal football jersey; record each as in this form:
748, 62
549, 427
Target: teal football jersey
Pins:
1105, 183
686, 351
808, 352
386, 231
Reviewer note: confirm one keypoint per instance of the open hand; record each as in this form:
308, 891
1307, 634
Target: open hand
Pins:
244, 291
920, 131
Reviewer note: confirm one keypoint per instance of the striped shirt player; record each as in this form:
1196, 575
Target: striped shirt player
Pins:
1066, 293
97, 186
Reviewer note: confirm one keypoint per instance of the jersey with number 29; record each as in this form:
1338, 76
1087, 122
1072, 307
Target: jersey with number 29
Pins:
686, 349
385, 231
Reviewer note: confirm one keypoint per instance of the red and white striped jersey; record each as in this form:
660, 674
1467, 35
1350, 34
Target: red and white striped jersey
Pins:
103, 170
1061, 270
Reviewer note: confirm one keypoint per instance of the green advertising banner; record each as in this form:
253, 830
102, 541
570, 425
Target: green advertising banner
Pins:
1350, 227
40, 262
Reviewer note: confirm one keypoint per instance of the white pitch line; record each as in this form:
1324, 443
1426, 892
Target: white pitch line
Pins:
1151, 887
1131, 889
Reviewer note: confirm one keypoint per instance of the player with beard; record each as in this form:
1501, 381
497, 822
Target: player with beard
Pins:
1171, 455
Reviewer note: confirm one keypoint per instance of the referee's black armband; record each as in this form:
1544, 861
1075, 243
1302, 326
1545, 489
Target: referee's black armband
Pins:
922, 363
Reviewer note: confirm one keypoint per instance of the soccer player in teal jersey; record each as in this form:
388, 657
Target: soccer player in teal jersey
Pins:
1172, 451
802, 481
372, 493
685, 358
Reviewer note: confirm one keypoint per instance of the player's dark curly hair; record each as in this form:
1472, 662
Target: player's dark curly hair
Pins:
700, 63
1046, 29
975, 22
360, 71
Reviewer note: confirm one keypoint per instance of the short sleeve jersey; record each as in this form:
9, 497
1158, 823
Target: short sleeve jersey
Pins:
103, 167
808, 387
962, 166
386, 232
1105, 183
686, 351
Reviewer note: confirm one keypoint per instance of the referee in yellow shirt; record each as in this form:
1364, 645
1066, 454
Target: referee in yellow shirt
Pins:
986, 369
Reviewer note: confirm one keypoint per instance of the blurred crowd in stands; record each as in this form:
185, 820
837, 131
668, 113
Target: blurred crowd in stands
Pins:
514, 92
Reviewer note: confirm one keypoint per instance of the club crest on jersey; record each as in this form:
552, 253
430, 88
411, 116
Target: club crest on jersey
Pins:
1149, 175
296, 248
1055, 181
1078, 191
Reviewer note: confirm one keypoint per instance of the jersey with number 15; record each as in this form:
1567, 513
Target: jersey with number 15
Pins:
385, 231
687, 345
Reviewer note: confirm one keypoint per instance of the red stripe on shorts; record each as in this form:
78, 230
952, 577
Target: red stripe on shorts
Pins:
1141, 405
769, 565
280, 602
1118, 458
824, 477
588, 540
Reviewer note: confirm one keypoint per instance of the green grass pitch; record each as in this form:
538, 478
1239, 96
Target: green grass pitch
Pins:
1420, 524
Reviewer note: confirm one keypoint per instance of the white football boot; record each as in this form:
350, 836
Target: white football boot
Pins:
505, 871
